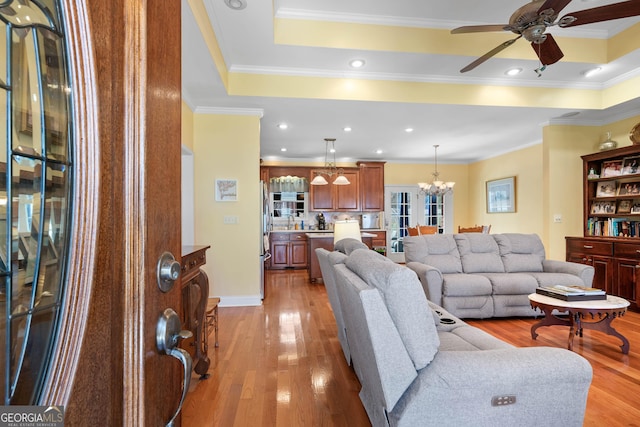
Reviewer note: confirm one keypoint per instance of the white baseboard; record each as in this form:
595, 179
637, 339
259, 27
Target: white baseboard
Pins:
240, 301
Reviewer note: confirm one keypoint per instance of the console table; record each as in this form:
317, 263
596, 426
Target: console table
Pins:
195, 295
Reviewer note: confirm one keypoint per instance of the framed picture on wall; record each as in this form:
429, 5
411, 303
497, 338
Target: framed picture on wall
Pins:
501, 195
226, 190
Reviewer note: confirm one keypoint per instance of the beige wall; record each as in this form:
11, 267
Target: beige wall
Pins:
228, 147
526, 166
548, 183
411, 174
187, 126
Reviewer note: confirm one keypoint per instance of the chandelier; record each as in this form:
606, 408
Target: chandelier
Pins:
330, 168
437, 187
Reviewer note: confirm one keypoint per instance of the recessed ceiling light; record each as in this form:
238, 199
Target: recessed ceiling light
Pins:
513, 71
357, 63
408, 130
283, 149
592, 71
282, 125
346, 129
378, 151
236, 4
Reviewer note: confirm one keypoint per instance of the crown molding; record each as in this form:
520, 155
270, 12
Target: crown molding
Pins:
232, 111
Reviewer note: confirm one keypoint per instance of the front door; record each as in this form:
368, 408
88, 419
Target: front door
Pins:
125, 56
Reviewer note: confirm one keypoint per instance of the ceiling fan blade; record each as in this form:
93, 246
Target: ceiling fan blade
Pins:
548, 51
489, 54
480, 28
556, 5
624, 9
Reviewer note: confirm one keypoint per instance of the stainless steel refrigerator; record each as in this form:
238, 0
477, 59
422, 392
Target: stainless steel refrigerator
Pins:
265, 229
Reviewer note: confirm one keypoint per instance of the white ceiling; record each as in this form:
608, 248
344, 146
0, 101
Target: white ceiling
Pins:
465, 133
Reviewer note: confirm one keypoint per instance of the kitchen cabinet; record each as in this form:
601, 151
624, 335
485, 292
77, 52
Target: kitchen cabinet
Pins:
371, 186
288, 250
379, 241
336, 197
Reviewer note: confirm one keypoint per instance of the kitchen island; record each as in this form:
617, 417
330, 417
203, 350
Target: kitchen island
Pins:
325, 240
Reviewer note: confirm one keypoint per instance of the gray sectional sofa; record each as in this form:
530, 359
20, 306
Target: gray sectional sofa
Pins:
475, 275
420, 365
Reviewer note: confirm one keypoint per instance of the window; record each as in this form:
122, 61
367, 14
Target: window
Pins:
406, 207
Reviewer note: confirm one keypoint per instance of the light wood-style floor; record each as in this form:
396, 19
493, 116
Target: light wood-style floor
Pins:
281, 364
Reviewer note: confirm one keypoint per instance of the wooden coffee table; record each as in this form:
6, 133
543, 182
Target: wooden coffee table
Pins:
596, 315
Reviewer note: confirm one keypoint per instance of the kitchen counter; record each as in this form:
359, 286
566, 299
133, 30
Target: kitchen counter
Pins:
329, 234
325, 240
319, 231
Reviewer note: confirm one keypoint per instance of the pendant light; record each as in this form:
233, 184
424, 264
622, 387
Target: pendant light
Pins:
437, 187
330, 168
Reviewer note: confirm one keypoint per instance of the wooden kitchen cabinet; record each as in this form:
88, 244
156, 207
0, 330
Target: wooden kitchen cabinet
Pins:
336, 197
371, 186
288, 250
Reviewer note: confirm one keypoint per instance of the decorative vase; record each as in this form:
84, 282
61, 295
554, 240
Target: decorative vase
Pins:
608, 144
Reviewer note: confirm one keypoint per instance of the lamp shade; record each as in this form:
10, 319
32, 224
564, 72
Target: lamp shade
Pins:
346, 229
341, 180
319, 180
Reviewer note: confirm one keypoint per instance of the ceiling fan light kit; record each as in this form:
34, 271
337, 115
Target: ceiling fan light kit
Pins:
532, 20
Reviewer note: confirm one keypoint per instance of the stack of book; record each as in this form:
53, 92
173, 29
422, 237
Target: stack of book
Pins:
572, 293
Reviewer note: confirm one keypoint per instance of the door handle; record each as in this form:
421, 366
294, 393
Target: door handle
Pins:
168, 334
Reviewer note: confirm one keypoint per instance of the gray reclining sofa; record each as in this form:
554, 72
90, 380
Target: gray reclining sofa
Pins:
475, 275
418, 365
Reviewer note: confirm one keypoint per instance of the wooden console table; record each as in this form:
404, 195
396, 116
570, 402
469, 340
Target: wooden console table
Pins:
195, 295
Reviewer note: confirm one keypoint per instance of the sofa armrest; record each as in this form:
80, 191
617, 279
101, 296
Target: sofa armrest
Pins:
470, 380
583, 271
431, 279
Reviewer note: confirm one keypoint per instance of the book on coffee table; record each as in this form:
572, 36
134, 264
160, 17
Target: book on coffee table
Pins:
572, 293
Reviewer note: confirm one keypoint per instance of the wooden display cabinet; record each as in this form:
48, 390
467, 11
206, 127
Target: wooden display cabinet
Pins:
611, 222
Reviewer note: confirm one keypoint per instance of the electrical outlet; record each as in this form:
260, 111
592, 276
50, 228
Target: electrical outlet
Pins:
231, 219
557, 218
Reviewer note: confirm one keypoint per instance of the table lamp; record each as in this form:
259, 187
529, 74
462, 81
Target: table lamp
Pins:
346, 229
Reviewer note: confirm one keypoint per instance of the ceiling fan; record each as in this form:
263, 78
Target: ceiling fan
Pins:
532, 20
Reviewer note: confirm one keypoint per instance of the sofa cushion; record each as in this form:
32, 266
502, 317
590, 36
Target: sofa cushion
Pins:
348, 245
512, 283
479, 253
463, 285
405, 301
437, 250
520, 252
553, 279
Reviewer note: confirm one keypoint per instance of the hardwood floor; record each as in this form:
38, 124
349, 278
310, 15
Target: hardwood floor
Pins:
281, 364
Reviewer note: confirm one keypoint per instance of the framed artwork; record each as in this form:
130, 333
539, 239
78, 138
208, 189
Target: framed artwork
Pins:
631, 165
226, 190
635, 209
624, 206
501, 196
629, 188
611, 168
604, 208
606, 189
